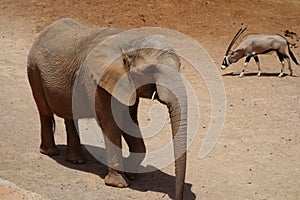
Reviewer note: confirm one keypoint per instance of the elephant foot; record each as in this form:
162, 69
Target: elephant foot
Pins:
116, 180
50, 151
75, 156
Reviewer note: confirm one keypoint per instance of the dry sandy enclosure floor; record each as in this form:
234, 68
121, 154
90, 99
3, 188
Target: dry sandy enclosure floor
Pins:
258, 153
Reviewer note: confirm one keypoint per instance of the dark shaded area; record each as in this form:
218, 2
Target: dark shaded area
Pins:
266, 74
156, 180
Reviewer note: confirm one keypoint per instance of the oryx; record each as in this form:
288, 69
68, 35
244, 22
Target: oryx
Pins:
254, 44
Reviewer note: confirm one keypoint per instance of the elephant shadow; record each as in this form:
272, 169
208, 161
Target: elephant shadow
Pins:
264, 74
156, 180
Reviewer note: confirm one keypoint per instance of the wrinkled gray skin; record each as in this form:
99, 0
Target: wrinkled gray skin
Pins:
65, 50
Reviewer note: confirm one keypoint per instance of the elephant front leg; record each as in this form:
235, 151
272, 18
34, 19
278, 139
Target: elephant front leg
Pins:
137, 154
74, 151
133, 137
115, 176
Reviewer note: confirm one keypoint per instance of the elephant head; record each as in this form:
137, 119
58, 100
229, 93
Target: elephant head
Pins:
129, 67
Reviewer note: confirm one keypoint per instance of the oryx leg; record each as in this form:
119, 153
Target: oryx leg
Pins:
287, 58
258, 65
282, 68
281, 58
245, 65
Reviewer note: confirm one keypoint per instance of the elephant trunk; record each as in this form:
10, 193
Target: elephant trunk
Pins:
178, 116
173, 94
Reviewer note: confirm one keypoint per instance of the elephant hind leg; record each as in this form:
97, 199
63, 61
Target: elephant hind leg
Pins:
47, 121
48, 146
74, 151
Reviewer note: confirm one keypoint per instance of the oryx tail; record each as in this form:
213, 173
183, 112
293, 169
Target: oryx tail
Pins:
291, 54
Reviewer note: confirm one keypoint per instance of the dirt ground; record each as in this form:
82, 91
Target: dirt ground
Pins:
258, 153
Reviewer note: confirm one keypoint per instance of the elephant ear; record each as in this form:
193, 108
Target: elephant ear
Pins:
109, 66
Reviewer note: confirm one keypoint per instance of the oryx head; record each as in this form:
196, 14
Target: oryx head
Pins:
226, 61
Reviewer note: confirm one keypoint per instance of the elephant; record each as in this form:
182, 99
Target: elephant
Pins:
68, 55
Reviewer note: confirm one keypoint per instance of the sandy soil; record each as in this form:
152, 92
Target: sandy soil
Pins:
258, 153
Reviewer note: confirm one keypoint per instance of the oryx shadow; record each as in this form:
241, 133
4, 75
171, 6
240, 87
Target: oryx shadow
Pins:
263, 74
156, 180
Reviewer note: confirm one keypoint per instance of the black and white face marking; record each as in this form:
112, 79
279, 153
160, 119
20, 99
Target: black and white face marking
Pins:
225, 63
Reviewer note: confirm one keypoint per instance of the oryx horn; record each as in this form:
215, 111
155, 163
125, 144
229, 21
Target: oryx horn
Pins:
237, 35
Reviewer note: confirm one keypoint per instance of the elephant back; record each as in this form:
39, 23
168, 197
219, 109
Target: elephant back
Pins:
67, 43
